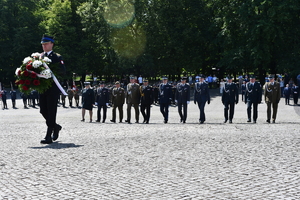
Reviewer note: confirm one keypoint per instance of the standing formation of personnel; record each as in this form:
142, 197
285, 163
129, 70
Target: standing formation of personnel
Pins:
230, 97
182, 98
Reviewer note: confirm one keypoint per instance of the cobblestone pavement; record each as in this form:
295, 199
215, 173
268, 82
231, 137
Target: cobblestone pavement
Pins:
154, 161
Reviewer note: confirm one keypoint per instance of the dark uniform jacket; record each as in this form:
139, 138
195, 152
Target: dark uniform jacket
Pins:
102, 96
146, 94
253, 92
133, 93
230, 93
272, 92
201, 92
182, 93
118, 96
13, 95
88, 98
165, 93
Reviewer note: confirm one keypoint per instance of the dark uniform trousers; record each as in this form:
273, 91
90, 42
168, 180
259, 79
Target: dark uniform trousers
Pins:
274, 106
228, 106
164, 109
99, 112
184, 115
48, 107
249, 108
201, 106
120, 108
147, 108
136, 108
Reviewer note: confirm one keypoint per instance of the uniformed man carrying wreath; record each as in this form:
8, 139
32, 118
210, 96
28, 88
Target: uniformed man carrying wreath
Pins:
253, 97
182, 98
201, 96
146, 100
272, 93
230, 96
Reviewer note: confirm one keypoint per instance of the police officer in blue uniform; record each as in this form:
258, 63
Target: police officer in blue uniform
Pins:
182, 98
49, 99
165, 97
230, 96
4, 97
253, 97
146, 100
102, 100
201, 96
13, 96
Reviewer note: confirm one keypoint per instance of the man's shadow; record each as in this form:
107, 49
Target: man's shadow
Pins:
57, 145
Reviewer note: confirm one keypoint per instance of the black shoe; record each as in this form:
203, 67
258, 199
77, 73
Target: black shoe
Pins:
120, 122
82, 120
249, 120
273, 121
225, 120
128, 121
254, 122
201, 122
165, 121
137, 122
97, 121
113, 121
183, 122
147, 122
268, 120
230, 121
144, 121
57, 128
103, 121
49, 141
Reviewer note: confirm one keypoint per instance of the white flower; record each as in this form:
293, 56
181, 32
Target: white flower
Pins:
26, 60
36, 55
36, 63
47, 60
46, 73
17, 70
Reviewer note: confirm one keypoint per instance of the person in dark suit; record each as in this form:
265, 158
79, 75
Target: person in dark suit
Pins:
287, 94
201, 96
34, 96
88, 101
4, 97
102, 101
165, 97
118, 100
13, 96
133, 99
253, 97
230, 96
182, 98
146, 100
272, 93
295, 92
49, 99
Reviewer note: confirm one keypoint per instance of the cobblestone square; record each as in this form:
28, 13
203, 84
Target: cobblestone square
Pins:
152, 161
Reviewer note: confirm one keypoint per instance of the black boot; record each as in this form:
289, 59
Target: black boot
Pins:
48, 139
56, 130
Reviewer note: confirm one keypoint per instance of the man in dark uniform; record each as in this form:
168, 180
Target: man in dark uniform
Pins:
201, 96
4, 97
182, 98
49, 99
165, 97
146, 100
252, 97
295, 93
133, 99
118, 99
102, 101
24, 98
13, 96
230, 96
272, 95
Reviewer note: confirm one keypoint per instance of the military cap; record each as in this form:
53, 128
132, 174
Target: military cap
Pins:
101, 83
201, 76
145, 80
183, 78
164, 78
229, 77
117, 83
271, 77
47, 38
132, 77
252, 76
87, 83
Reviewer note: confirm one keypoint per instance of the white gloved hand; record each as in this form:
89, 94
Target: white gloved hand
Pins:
188, 102
176, 101
106, 104
96, 104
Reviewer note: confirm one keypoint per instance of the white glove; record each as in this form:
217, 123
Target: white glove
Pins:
176, 101
188, 102
106, 104
96, 104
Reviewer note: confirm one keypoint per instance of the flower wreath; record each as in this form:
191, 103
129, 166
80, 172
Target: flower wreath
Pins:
34, 74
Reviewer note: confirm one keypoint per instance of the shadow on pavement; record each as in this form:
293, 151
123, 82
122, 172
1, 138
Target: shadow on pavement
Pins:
57, 145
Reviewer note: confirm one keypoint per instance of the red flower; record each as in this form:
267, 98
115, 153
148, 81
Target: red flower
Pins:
19, 73
33, 75
29, 66
27, 82
25, 88
21, 82
36, 82
25, 73
17, 82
